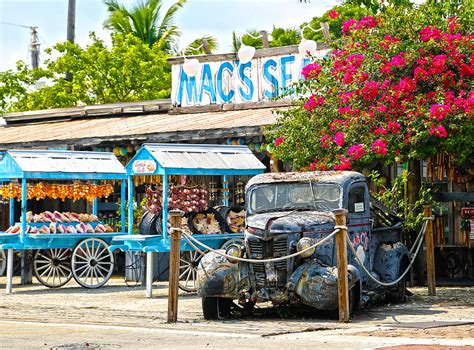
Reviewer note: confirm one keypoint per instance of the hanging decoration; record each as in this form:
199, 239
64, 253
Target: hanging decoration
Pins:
42, 190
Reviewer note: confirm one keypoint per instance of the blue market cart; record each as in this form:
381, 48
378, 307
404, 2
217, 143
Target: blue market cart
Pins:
179, 159
59, 257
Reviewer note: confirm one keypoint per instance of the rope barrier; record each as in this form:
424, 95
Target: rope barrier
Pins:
188, 237
193, 242
388, 284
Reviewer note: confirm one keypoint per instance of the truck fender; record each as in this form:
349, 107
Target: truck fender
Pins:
316, 285
217, 277
389, 259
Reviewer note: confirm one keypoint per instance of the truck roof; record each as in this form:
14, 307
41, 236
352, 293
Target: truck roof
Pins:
338, 177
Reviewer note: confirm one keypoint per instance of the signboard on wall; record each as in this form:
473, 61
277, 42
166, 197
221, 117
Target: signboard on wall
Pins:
229, 81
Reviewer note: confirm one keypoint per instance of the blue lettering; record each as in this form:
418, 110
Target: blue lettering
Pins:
191, 89
304, 63
284, 75
206, 84
270, 79
226, 98
246, 81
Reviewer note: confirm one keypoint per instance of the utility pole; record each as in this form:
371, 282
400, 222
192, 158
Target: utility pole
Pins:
34, 47
71, 20
71, 27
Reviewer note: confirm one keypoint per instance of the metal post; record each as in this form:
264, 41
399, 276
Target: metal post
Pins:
342, 279
149, 274
175, 218
9, 271
122, 205
130, 204
95, 203
26, 268
430, 265
12, 211
164, 219
226, 190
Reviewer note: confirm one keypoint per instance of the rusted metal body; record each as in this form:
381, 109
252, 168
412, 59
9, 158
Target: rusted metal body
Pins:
313, 280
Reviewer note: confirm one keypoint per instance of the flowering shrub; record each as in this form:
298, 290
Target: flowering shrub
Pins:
386, 90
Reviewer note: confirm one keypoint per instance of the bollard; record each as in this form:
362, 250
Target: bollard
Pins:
430, 264
175, 219
342, 278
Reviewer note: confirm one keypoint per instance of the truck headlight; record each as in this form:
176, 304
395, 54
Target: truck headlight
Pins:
305, 243
235, 251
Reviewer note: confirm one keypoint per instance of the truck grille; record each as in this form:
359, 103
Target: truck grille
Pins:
275, 248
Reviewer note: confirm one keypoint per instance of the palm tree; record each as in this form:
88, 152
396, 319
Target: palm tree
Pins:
145, 21
192, 49
250, 38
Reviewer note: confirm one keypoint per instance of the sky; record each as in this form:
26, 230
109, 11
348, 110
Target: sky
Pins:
197, 18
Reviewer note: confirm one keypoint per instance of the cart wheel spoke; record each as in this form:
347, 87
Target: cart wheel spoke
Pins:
52, 267
92, 263
189, 262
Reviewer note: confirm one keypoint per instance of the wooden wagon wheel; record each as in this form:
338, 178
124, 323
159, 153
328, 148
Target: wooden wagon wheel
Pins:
92, 263
52, 267
188, 264
3, 262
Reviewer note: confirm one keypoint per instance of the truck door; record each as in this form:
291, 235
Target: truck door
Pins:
358, 223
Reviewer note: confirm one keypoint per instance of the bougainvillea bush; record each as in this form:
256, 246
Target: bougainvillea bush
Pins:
397, 86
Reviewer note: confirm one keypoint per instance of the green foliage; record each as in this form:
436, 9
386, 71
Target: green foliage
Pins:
395, 199
285, 37
192, 49
372, 107
146, 21
345, 12
128, 71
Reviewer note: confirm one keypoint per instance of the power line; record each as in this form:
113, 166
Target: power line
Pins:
16, 25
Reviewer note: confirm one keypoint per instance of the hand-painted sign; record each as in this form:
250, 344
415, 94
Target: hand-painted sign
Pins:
231, 82
144, 166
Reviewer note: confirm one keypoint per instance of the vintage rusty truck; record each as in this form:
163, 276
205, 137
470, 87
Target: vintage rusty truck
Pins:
288, 212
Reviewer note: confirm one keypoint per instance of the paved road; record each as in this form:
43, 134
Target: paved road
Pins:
117, 316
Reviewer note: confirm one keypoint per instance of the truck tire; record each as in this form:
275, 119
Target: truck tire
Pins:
215, 308
398, 294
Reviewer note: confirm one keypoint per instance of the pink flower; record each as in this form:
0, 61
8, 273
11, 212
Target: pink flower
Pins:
333, 14
356, 151
430, 32
393, 127
339, 139
370, 90
278, 141
366, 22
380, 131
439, 112
344, 165
380, 147
311, 71
439, 131
324, 142
313, 102
347, 26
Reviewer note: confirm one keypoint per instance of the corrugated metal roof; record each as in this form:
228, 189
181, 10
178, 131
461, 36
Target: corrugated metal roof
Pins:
108, 128
204, 156
67, 161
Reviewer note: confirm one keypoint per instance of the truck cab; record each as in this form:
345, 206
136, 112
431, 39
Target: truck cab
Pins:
288, 212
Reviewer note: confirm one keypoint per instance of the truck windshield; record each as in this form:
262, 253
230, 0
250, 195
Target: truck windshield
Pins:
294, 196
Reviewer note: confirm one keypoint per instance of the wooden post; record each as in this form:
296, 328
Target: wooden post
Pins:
175, 220
430, 265
342, 278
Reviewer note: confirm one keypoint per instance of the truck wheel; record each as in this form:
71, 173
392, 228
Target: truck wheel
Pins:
215, 308
398, 294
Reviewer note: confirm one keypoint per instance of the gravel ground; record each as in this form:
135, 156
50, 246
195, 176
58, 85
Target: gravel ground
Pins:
118, 316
